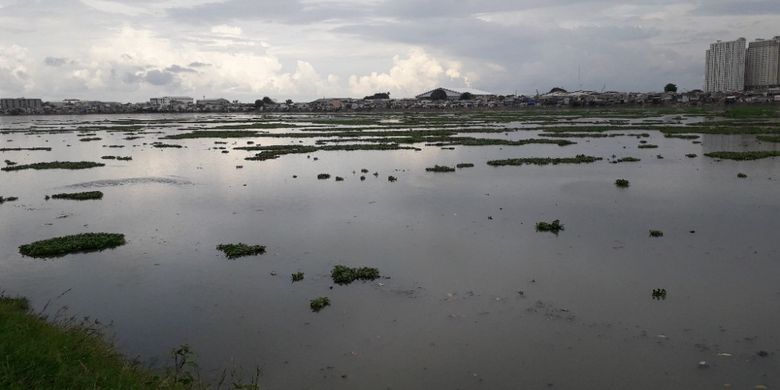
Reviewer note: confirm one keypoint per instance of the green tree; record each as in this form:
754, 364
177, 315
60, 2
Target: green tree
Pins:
466, 96
670, 88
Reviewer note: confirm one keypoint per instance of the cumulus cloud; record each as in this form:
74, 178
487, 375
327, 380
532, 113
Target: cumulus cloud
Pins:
418, 70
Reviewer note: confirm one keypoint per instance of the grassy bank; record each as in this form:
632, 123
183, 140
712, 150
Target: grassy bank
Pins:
39, 355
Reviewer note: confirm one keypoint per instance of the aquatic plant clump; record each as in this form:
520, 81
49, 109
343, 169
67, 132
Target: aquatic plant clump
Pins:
8, 199
55, 165
46, 149
297, 276
659, 293
647, 146
342, 274
323, 176
233, 251
553, 227
768, 138
656, 233
628, 159
88, 195
161, 145
741, 175
212, 134
79, 243
744, 156
440, 168
578, 159
464, 165
622, 183
318, 304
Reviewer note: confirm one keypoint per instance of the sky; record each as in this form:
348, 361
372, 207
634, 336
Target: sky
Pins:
131, 50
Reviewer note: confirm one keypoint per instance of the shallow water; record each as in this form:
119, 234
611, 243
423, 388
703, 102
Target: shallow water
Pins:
475, 298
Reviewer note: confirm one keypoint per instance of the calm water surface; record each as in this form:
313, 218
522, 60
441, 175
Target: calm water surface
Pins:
475, 299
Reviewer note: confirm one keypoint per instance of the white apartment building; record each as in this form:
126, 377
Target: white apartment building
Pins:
725, 67
168, 101
762, 64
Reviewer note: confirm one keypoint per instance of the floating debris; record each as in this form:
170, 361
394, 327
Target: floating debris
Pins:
342, 274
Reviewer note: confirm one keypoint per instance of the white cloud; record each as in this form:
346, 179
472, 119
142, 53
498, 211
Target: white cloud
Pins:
408, 76
224, 29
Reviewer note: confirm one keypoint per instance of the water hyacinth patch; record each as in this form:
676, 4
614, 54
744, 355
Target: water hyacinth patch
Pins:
61, 246
345, 275
88, 195
440, 168
233, 251
55, 165
622, 183
553, 227
318, 304
656, 233
297, 276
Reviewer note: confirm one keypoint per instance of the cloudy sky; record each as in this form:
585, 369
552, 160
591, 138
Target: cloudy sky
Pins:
130, 50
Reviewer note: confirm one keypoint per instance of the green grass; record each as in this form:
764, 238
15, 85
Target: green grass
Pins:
768, 138
744, 156
37, 354
578, 159
752, 111
79, 243
88, 195
440, 168
55, 165
233, 251
622, 183
318, 304
297, 276
553, 227
682, 136
345, 275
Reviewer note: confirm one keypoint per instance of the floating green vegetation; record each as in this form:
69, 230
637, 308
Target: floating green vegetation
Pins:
656, 233
297, 276
164, 145
233, 251
88, 195
212, 134
89, 139
647, 146
47, 149
132, 138
345, 275
8, 199
741, 175
318, 304
339, 178
39, 354
682, 136
659, 293
392, 179
628, 159
741, 156
768, 138
469, 141
120, 158
553, 227
691, 155
440, 168
258, 125
271, 152
622, 183
323, 176
79, 243
465, 165
751, 111
55, 165
580, 135
578, 159
9, 162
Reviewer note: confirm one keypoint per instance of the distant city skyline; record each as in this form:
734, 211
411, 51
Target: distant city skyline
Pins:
306, 49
